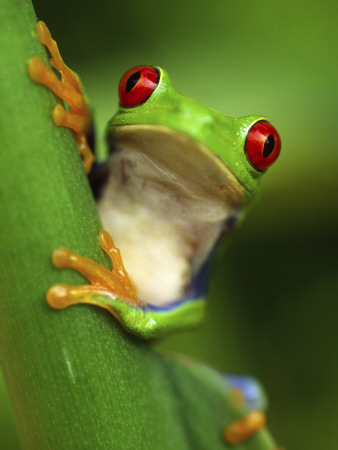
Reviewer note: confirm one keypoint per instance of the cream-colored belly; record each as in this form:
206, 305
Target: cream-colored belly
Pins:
164, 234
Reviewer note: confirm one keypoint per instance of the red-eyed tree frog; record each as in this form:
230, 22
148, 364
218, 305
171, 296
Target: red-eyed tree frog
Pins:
178, 179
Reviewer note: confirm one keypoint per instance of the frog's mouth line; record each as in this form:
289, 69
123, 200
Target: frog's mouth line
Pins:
167, 202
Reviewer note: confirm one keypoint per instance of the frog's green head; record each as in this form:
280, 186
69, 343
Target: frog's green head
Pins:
182, 170
228, 154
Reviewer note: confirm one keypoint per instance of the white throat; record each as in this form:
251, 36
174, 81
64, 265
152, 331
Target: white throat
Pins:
164, 231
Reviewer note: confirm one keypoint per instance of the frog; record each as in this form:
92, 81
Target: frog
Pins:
178, 179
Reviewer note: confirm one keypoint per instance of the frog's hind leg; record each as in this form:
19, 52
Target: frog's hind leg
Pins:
247, 395
69, 89
240, 430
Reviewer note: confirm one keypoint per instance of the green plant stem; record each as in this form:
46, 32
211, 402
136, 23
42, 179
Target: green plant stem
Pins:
75, 378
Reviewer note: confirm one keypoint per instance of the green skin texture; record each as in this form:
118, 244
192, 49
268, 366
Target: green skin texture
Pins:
224, 137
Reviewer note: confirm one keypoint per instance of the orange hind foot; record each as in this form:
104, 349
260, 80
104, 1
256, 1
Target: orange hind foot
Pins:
239, 431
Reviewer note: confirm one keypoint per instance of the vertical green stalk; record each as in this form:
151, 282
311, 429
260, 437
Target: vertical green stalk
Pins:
75, 378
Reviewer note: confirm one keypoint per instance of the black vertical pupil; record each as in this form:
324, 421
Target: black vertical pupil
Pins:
269, 145
132, 80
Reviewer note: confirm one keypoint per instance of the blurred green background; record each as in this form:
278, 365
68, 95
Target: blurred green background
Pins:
272, 306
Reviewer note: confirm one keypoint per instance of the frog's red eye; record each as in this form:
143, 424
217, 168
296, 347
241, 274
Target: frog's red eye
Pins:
262, 145
137, 85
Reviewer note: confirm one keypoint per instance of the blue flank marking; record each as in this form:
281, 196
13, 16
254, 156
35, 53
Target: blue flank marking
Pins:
249, 388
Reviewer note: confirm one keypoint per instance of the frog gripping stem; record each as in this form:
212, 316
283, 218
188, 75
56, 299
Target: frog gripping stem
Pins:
68, 89
114, 284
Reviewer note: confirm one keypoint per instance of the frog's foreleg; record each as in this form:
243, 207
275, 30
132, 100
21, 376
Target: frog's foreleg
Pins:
61, 296
115, 292
69, 89
113, 284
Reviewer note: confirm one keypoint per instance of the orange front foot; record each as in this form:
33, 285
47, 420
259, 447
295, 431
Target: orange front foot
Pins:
69, 89
115, 284
242, 429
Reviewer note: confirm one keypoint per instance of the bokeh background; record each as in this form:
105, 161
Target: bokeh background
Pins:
272, 308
